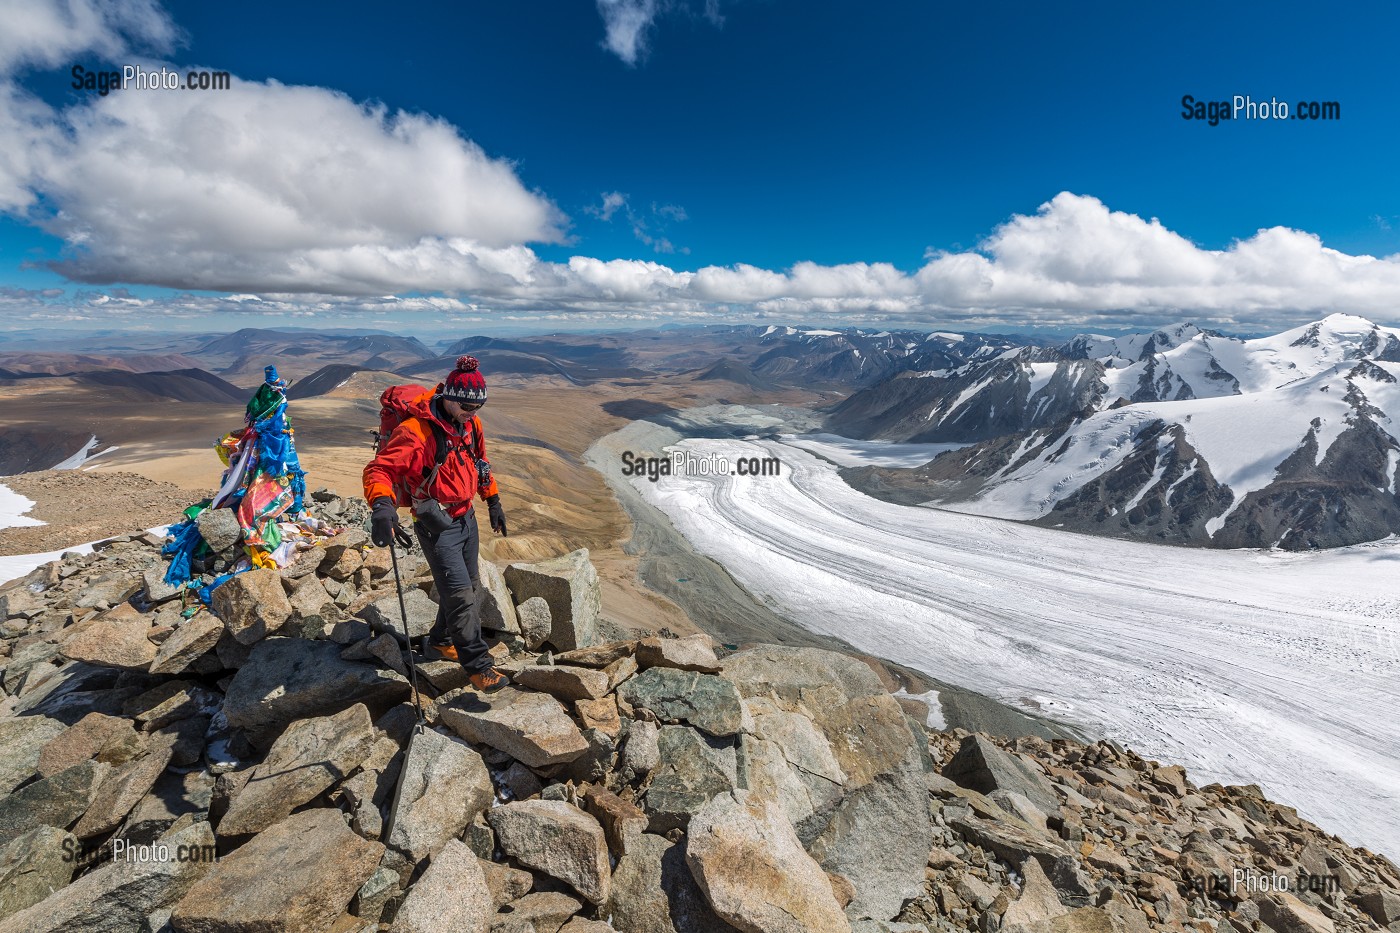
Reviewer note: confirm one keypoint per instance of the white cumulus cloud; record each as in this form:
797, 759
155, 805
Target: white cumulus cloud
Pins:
48, 33
626, 24
613, 201
1075, 259
261, 185
1073, 263
161, 187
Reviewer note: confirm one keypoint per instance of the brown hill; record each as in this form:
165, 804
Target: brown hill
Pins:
59, 364
184, 385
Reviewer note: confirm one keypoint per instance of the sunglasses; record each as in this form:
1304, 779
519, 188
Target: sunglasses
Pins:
466, 406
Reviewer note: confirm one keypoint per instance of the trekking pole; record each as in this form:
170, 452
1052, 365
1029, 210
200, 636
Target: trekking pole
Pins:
403, 613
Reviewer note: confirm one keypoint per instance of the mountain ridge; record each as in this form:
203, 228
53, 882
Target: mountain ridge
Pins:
1137, 442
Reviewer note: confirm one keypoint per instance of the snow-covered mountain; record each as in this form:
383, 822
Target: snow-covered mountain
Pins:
856, 357
1210, 365
1131, 348
999, 393
1184, 435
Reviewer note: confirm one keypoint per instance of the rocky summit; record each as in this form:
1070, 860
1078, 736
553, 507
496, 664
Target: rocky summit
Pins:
257, 765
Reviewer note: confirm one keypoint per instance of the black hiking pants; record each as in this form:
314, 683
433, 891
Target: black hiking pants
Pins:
453, 558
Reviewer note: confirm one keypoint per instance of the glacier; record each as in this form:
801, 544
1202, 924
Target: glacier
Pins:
1247, 666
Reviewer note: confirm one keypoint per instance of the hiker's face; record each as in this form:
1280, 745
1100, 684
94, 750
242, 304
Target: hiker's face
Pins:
459, 411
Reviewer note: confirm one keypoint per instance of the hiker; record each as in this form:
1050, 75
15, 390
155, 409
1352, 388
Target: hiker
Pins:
435, 462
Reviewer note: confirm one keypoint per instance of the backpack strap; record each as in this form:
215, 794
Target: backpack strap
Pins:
439, 458
440, 443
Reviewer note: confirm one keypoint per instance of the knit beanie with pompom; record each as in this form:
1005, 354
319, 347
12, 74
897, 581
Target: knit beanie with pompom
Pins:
465, 384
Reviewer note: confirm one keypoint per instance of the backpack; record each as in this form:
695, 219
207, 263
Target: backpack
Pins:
395, 404
398, 402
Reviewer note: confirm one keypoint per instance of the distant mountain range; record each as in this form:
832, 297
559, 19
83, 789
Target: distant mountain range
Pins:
1181, 435
856, 357
16, 365
242, 355
252, 340
836, 360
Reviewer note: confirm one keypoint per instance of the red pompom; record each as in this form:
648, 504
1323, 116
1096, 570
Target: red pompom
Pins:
467, 364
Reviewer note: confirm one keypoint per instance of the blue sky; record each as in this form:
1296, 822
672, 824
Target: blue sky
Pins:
804, 161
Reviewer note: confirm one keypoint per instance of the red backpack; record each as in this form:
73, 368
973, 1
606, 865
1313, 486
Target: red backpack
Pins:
395, 404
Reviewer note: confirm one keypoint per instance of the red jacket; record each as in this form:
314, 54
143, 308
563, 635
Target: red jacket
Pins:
408, 456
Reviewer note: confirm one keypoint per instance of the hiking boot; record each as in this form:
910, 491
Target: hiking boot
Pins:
447, 651
489, 680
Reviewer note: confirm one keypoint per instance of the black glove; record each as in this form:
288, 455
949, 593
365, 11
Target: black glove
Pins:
498, 515
384, 525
